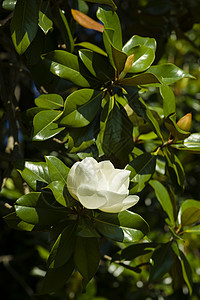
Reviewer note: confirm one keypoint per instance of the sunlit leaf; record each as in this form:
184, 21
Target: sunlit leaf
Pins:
24, 24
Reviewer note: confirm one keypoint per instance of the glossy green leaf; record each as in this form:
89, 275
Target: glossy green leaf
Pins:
136, 40
63, 247
86, 228
55, 278
141, 109
91, 47
67, 66
142, 169
140, 79
163, 260
81, 108
58, 171
143, 58
133, 251
15, 222
86, 257
57, 188
174, 168
117, 140
65, 31
84, 137
9, 4
45, 126
125, 226
189, 212
50, 101
97, 64
169, 102
173, 128
24, 24
33, 208
117, 57
107, 2
194, 229
185, 266
164, 198
191, 144
45, 22
110, 20
168, 73
35, 174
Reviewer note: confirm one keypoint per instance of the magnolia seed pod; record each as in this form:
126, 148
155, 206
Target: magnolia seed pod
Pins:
185, 122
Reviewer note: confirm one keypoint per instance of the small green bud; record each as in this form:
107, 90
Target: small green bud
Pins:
128, 66
185, 122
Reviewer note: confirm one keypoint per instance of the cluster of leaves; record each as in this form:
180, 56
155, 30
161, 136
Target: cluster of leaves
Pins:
92, 107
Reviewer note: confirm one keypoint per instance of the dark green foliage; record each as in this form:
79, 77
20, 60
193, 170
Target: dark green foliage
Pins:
91, 101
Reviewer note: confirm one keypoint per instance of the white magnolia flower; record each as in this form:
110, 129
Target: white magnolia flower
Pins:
100, 186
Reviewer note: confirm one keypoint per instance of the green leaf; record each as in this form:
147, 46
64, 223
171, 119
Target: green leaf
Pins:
63, 26
45, 23
97, 64
9, 4
81, 107
86, 257
174, 168
58, 189
168, 73
142, 169
15, 222
84, 137
164, 199
117, 140
45, 126
55, 278
110, 20
195, 229
189, 212
24, 24
163, 260
136, 40
173, 128
86, 228
67, 66
117, 57
141, 109
185, 266
58, 171
107, 2
63, 247
35, 209
133, 251
140, 79
91, 47
191, 144
35, 173
50, 101
169, 102
143, 58
125, 226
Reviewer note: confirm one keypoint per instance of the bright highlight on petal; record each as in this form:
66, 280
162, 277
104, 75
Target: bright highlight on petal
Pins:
100, 186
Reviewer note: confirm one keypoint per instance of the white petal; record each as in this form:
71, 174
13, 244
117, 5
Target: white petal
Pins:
90, 197
71, 183
121, 206
86, 172
102, 181
121, 178
107, 168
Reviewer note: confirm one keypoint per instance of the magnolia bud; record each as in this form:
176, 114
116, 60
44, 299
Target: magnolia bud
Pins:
128, 66
185, 122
